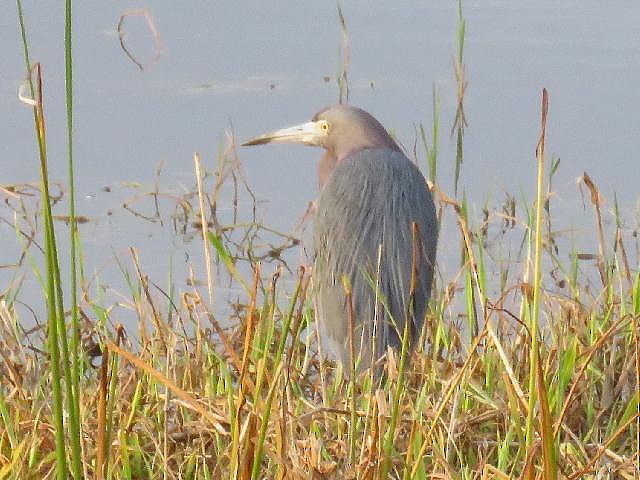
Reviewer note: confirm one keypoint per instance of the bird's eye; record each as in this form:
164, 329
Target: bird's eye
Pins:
324, 126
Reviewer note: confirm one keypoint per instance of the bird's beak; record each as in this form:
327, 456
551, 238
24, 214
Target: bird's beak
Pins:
309, 133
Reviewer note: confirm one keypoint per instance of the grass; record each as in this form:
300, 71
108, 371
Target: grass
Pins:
535, 376
185, 398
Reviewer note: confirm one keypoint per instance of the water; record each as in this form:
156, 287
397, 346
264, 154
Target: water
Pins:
255, 67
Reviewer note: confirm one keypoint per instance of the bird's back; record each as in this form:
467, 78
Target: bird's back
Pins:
370, 200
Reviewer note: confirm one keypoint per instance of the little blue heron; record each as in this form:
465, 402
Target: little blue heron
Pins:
375, 225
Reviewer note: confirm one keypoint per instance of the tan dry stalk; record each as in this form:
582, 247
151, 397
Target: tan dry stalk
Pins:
204, 225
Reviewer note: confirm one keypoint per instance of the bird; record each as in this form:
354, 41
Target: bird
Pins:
375, 235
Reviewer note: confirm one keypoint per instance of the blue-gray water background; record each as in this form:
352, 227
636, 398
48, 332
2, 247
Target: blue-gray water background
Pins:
255, 66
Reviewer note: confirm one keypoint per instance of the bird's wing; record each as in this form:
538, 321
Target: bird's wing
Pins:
363, 232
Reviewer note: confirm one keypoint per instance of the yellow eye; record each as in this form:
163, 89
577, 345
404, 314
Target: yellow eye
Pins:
324, 126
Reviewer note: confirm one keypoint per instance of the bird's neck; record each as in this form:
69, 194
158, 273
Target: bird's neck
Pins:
330, 160
326, 166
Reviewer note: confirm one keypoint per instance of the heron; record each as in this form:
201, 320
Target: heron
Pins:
375, 235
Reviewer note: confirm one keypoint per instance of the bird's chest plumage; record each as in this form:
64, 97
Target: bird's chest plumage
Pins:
363, 234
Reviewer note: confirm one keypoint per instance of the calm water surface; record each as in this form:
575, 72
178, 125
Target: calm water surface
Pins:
253, 66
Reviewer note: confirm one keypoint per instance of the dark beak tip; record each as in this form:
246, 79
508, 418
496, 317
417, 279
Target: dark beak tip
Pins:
254, 141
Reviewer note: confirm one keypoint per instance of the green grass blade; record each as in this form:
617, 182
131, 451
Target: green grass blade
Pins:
73, 402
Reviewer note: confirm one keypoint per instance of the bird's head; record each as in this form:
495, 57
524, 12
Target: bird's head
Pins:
342, 130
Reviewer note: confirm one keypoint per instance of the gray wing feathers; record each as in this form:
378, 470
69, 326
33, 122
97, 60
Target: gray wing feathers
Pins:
371, 199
